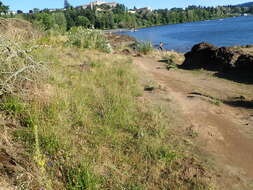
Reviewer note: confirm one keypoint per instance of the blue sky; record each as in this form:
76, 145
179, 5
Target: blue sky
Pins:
30, 4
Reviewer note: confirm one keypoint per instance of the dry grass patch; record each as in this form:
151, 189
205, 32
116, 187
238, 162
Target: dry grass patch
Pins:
17, 29
176, 57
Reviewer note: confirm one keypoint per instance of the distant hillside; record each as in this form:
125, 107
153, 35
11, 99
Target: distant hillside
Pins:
248, 4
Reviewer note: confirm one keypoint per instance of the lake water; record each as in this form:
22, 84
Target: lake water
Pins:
181, 37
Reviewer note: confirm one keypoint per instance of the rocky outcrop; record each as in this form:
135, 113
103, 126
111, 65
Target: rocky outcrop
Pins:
209, 57
201, 56
244, 62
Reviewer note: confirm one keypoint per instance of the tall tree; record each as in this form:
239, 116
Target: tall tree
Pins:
66, 4
3, 8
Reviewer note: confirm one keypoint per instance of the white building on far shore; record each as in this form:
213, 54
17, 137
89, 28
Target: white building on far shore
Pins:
98, 3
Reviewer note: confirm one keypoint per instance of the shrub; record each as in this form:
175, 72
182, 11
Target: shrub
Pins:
90, 39
12, 105
60, 21
144, 47
170, 61
79, 178
18, 69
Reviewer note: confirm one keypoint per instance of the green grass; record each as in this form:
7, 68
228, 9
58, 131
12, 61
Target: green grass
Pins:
144, 47
86, 38
215, 101
170, 62
79, 177
87, 129
12, 105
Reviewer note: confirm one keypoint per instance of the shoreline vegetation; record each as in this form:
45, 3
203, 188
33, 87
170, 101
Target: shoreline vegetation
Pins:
118, 30
119, 16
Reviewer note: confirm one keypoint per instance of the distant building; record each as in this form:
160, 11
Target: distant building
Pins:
82, 7
111, 4
12, 12
8, 13
144, 9
132, 11
52, 10
98, 3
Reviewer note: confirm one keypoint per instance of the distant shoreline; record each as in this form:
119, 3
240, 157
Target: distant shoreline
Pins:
171, 42
117, 30
144, 27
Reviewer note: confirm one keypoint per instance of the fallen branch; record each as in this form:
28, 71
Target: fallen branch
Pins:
17, 66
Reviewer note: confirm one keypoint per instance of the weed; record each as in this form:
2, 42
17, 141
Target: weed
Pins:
12, 105
26, 121
48, 144
18, 69
86, 38
170, 61
144, 47
150, 86
79, 178
215, 101
134, 187
165, 154
40, 161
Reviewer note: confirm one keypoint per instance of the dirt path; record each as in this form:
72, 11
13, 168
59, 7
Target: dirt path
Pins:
217, 111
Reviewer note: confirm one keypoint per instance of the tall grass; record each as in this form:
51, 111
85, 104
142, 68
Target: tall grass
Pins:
87, 126
87, 38
145, 47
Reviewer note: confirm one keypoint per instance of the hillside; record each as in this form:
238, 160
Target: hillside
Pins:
248, 4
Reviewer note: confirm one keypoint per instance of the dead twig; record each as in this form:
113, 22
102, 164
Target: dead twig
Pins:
17, 66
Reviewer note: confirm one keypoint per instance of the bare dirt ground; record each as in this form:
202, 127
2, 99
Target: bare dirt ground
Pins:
217, 112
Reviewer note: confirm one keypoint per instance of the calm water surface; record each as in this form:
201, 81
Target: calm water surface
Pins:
181, 37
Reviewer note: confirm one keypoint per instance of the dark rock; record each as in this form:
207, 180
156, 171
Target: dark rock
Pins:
244, 63
226, 58
201, 56
209, 57
149, 88
126, 51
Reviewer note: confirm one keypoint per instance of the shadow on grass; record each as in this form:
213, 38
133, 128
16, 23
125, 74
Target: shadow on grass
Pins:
163, 61
246, 78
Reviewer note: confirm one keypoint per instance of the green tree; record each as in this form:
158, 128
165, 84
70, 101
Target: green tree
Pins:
251, 9
60, 20
3, 8
83, 21
66, 4
47, 21
119, 17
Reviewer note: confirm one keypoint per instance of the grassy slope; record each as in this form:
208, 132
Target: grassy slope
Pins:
84, 127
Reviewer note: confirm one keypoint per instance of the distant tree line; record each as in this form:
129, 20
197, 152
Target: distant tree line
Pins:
104, 17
